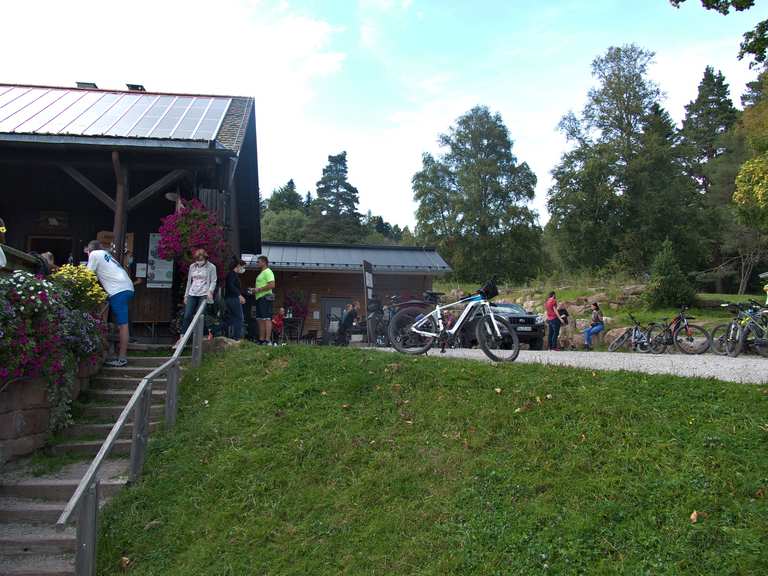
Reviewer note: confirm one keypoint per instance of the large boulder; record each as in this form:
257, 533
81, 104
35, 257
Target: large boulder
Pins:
530, 304
633, 289
614, 333
219, 344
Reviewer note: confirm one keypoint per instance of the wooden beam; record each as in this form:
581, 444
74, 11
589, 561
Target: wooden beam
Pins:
83, 180
121, 209
156, 187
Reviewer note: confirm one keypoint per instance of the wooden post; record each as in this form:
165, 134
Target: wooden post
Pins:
87, 531
141, 415
171, 396
121, 206
197, 341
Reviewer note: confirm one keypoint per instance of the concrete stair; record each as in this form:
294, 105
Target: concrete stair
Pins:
30, 545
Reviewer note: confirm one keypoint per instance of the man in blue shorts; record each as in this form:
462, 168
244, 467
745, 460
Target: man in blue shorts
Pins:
119, 287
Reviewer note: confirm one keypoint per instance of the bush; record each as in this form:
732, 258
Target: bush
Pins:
669, 286
82, 289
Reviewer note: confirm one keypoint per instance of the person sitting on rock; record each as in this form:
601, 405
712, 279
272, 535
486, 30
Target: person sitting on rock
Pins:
595, 327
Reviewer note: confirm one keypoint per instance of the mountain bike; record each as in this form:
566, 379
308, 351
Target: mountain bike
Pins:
749, 330
635, 335
687, 338
378, 319
414, 331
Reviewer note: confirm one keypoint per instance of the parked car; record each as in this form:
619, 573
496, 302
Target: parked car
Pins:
528, 325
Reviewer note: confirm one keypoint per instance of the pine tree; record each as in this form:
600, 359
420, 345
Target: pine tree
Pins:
661, 200
707, 118
334, 192
285, 198
668, 286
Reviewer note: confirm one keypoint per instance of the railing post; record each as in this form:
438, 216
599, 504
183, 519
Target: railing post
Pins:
197, 341
87, 530
141, 415
171, 395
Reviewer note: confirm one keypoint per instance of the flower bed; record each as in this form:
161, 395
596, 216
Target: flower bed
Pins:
48, 332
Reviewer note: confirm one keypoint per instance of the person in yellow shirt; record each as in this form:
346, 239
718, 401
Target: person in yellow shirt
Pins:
265, 298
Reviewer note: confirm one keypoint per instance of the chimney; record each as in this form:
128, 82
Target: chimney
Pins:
91, 85
136, 87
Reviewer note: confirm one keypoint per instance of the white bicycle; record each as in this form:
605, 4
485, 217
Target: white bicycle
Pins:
414, 330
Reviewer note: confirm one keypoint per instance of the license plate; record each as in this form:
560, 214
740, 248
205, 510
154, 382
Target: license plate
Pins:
524, 328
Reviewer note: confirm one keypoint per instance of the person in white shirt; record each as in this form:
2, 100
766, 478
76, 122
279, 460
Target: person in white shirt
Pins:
118, 285
201, 285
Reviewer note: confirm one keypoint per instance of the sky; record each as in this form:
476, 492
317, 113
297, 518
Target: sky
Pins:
381, 79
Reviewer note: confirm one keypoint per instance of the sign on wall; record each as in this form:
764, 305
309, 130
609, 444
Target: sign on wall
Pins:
159, 271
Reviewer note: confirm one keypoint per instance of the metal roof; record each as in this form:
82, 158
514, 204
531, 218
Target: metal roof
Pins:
349, 258
76, 112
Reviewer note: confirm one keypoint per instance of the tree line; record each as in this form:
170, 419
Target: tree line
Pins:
330, 216
631, 185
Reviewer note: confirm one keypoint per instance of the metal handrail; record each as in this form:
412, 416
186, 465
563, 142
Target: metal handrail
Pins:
140, 402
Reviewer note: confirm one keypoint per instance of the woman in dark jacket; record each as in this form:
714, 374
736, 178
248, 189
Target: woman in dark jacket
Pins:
234, 299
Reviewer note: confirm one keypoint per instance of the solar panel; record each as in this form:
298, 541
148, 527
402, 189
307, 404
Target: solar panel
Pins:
192, 118
67, 116
151, 117
111, 116
37, 123
30, 109
165, 127
212, 119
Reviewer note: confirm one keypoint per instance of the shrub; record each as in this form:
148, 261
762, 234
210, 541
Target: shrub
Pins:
669, 286
41, 337
82, 288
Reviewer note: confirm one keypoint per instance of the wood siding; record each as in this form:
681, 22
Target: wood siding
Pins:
313, 287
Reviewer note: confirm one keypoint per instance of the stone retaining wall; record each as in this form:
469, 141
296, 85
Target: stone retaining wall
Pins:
25, 412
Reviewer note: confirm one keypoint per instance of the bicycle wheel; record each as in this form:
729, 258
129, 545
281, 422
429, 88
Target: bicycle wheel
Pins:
401, 336
620, 340
691, 339
502, 347
754, 338
657, 339
719, 339
733, 343
761, 341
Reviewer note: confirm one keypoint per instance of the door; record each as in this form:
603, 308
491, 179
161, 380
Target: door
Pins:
59, 246
331, 313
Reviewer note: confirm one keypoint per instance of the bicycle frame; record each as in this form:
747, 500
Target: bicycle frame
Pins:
473, 302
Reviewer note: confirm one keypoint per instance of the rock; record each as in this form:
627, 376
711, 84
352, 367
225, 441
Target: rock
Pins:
614, 333
529, 304
633, 289
614, 305
219, 344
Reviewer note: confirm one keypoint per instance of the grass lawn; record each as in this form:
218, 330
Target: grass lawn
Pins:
318, 461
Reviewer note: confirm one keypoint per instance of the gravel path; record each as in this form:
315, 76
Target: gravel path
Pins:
744, 369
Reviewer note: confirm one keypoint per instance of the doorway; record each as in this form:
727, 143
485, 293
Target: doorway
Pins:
331, 312
59, 246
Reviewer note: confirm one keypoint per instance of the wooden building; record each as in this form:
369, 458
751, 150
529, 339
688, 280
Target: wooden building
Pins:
320, 279
81, 163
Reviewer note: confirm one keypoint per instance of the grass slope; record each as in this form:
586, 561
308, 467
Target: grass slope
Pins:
307, 460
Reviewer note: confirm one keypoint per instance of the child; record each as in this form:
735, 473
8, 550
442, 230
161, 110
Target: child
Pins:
567, 329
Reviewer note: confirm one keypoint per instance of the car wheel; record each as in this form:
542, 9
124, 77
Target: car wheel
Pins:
537, 344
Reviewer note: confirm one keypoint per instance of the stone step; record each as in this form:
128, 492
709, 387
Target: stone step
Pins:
48, 565
102, 430
26, 511
129, 371
122, 396
112, 412
53, 489
101, 383
90, 447
154, 361
27, 540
